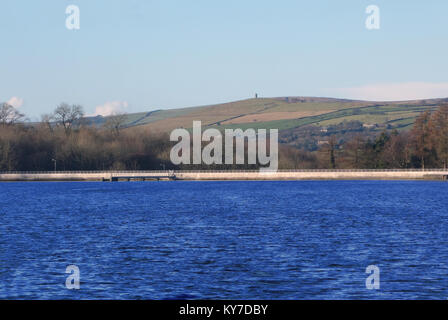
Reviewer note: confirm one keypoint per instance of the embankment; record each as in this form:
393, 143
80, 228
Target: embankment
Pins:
440, 174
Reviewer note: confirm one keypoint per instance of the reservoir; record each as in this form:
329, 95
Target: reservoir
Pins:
224, 239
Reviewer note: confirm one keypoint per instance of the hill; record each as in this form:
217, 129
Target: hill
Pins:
283, 113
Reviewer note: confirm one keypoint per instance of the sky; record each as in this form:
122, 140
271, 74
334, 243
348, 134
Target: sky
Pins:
143, 55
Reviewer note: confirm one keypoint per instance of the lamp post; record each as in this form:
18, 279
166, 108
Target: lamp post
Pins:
54, 160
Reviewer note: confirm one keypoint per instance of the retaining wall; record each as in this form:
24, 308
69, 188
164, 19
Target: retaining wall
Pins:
230, 175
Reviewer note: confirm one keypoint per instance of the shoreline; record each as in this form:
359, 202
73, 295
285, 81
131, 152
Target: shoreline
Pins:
281, 175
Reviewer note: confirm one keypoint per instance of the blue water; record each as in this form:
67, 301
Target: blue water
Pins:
238, 240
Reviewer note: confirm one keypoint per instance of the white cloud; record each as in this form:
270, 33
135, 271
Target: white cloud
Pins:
395, 91
16, 102
111, 107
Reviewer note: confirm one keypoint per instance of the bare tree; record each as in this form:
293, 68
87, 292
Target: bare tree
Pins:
46, 120
66, 115
396, 153
354, 150
116, 122
9, 115
440, 132
421, 133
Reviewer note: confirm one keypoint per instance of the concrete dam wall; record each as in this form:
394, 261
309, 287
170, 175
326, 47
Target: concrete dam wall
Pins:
441, 174
316, 175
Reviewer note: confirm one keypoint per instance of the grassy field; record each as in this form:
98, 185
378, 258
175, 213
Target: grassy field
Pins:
283, 113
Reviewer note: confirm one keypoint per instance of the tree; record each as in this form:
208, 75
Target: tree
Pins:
6, 155
9, 115
116, 122
378, 148
354, 151
396, 151
440, 133
332, 149
66, 115
46, 120
421, 133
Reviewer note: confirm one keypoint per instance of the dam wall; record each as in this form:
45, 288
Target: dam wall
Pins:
86, 176
440, 174
317, 175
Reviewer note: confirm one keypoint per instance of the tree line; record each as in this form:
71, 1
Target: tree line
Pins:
64, 137
424, 146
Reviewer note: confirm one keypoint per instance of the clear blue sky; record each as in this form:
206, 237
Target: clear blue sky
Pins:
151, 54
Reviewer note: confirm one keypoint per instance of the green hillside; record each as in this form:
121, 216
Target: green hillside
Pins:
282, 113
